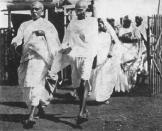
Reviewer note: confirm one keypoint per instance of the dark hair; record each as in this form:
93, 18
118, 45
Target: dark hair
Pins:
111, 21
103, 28
138, 18
126, 22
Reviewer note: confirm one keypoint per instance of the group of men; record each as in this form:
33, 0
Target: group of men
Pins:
41, 48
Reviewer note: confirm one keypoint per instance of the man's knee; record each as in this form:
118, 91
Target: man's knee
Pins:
80, 90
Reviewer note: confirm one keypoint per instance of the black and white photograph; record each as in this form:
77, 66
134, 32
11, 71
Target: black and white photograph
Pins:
80, 65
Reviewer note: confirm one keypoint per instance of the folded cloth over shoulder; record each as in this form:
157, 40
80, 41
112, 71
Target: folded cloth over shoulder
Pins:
39, 45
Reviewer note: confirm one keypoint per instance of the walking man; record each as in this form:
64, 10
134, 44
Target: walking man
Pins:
40, 44
80, 43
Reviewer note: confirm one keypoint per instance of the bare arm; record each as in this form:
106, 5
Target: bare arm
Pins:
16, 41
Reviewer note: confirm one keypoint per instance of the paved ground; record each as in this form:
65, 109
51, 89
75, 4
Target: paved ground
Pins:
131, 112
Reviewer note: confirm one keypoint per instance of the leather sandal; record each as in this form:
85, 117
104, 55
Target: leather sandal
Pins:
29, 123
83, 118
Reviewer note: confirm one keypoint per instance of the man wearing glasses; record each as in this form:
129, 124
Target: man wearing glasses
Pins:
40, 44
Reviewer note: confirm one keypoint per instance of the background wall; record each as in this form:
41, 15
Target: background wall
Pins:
118, 8
109, 8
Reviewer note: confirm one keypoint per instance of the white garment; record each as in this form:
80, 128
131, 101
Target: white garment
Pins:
143, 51
103, 47
24, 35
104, 77
82, 37
81, 69
103, 80
37, 56
130, 52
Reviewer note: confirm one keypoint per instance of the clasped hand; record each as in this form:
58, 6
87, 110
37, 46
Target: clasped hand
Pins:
65, 51
39, 32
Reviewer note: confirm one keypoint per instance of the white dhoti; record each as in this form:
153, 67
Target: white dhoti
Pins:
81, 69
38, 52
32, 76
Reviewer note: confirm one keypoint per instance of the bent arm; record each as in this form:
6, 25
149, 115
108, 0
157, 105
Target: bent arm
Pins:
16, 41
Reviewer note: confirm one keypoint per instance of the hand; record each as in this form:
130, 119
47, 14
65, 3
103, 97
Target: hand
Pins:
14, 44
39, 33
52, 75
19, 50
123, 66
109, 55
66, 51
82, 37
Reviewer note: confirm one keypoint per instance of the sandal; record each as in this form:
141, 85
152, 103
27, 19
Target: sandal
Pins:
107, 102
83, 118
28, 123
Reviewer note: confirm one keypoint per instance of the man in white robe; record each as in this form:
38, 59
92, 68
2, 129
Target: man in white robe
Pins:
79, 44
40, 45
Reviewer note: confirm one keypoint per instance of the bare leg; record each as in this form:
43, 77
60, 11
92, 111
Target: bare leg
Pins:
41, 112
30, 121
84, 98
31, 114
83, 94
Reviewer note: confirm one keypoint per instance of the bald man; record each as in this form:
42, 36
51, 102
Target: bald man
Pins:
80, 40
40, 45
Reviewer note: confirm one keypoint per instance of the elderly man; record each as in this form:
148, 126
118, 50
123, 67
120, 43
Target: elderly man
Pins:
80, 43
40, 44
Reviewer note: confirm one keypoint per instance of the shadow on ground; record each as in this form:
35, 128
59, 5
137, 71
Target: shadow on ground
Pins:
13, 117
15, 104
62, 119
19, 118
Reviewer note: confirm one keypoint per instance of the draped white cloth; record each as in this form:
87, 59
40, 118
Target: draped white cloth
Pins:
82, 37
143, 51
38, 53
104, 76
130, 61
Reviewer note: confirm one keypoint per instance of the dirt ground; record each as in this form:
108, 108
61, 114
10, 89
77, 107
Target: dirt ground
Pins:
125, 112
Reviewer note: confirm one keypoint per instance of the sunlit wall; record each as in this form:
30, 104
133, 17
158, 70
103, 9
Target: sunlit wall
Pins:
111, 8
118, 8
